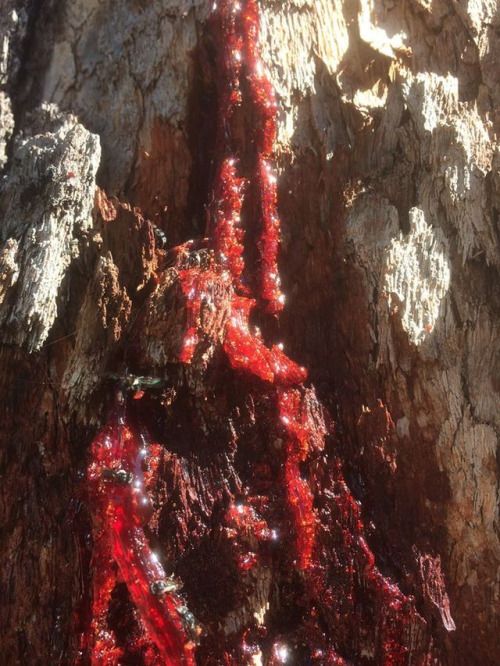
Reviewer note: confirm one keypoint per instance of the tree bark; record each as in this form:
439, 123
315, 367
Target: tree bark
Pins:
389, 194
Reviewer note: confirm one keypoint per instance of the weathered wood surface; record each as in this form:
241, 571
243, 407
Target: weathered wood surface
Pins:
390, 197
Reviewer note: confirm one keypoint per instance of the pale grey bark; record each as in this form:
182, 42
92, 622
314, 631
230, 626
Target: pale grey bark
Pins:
47, 200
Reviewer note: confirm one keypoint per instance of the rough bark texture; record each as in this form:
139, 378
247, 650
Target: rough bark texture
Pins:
390, 199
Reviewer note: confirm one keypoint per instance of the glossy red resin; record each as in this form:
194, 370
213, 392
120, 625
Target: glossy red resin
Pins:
224, 224
335, 564
227, 234
122, 551
265, 132
195, 288
298, 492
282, 379
247, 352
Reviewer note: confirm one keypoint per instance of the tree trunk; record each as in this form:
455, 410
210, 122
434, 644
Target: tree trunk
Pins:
389, 196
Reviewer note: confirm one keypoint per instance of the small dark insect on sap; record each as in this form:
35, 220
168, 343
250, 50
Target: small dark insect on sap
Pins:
190, 624
160, 238
138, 382
119, 476
199, 258
164, 586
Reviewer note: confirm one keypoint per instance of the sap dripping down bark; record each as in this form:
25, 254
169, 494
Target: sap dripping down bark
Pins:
121, 549
333, 593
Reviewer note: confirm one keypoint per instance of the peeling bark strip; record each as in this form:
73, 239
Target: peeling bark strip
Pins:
47, 201
389, 198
